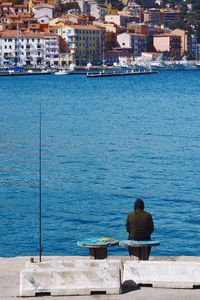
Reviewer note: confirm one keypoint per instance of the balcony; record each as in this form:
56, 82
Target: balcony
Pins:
51, 45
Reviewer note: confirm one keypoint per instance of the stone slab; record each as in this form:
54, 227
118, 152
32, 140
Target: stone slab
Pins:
76, 277
163, 274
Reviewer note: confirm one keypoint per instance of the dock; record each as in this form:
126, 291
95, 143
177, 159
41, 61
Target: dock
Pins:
112, 74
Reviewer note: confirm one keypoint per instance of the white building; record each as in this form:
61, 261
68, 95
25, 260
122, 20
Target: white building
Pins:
119, 20
97, 11
43, 12
137, 42
29, 48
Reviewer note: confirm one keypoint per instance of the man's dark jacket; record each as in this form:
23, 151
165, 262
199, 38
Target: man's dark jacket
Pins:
139, 225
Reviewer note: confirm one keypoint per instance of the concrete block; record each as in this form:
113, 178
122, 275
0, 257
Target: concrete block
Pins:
163, 274
76, 277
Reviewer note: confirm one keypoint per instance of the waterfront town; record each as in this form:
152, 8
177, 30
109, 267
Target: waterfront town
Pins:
49, 33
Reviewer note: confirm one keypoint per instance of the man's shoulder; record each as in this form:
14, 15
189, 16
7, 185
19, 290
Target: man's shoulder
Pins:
131, 213
147, 213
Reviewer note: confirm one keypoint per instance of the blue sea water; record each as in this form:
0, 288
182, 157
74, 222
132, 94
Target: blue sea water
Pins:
105, 142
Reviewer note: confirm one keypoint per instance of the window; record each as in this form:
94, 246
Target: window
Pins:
5, 47
9, 40
33, 40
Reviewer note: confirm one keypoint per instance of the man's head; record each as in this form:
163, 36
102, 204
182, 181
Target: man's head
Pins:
139, 204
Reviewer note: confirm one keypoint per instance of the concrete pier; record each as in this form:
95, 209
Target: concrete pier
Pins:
10, 282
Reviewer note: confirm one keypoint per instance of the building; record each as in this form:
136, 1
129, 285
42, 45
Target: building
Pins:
198, 51
136, 42
6, 8
188, 42
78, 19
152, 16
151, 56
138, 28
43, 13
20, 9
169, 16
192, 49
27, 48
184, 39
119, 20
97, 11
168, 43
115, 56
85, 43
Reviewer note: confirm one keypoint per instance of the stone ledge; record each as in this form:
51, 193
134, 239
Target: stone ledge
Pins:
76, 277
166, 274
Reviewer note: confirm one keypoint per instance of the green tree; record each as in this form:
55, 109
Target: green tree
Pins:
68, 6
17, 2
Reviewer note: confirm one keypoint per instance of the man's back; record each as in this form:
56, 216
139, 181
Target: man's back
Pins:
139, 225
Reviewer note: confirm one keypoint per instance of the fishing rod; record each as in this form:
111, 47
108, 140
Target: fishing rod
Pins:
40, 182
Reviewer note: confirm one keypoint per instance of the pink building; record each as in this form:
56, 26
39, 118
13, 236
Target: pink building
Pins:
168, 43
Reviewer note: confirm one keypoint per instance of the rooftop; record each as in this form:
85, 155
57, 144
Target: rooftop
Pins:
26, 34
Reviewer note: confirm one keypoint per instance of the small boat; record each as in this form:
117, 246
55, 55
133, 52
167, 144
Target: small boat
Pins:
62, 72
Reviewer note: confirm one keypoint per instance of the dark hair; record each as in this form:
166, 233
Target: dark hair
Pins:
139, 204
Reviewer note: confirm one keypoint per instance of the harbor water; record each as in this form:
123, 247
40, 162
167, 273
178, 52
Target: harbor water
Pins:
105, 142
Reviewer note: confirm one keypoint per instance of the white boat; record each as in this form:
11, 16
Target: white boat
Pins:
62, 72
180, 65
89, 65
72, 67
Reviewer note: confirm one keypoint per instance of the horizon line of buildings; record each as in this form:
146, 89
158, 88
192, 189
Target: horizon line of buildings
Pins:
30, 35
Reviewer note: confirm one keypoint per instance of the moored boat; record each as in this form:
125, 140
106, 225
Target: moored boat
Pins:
62, 72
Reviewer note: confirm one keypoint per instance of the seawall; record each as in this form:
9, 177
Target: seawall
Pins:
11, 267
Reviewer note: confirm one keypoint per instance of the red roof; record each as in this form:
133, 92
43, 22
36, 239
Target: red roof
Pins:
15, 33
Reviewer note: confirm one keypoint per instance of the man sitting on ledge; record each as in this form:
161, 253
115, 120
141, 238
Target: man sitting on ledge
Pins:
139, 225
